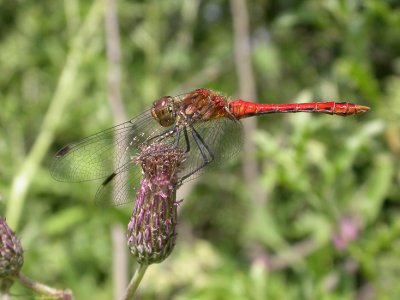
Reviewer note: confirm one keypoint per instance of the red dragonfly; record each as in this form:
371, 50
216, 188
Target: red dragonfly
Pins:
202, 122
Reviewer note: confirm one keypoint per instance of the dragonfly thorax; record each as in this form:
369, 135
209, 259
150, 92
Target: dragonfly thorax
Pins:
163, 111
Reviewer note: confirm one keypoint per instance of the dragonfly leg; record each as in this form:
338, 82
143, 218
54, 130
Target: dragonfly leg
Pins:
202, 146
178, 136
186, 139
200, 142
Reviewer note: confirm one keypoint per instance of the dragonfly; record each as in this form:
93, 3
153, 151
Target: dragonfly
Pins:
203, 123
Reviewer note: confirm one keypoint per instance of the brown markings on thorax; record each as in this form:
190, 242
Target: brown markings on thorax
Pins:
203, 105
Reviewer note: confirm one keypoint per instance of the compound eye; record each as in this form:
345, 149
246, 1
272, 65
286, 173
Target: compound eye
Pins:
163, 111
161, 103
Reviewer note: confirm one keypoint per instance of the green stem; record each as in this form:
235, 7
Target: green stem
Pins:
4, 295
44, 290
54, 114
135, 281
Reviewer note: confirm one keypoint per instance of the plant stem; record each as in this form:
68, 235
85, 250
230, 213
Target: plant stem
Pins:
58, 103
135, 281
120, 255
43, 289
5, 296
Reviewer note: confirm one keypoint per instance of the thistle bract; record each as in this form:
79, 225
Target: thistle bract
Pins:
11, 255
152, 228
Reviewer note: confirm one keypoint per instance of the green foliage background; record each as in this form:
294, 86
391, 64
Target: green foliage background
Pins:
318, 173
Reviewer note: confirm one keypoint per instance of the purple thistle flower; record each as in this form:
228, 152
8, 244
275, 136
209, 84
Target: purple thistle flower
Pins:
152, 228
348, 230
11, 255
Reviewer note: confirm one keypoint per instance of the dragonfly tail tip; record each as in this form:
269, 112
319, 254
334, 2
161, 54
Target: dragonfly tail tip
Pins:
362, 109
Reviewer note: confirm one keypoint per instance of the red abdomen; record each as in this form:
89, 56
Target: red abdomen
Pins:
243, 109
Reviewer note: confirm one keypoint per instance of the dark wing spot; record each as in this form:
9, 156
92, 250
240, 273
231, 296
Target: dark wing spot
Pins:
108, 179
63, 151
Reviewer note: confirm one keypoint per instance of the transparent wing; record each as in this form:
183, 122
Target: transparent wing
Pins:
158, 159
98, 155
121, 186
108, 154
223, 137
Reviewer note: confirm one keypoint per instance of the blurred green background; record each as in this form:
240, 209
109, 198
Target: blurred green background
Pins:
316, 213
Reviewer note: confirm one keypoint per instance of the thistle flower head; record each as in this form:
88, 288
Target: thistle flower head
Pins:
348, 230
152, 228
11, 255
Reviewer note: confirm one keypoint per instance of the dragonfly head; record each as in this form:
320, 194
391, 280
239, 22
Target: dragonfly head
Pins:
163, 111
